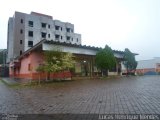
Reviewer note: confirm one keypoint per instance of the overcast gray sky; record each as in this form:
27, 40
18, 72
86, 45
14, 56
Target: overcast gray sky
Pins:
133, 24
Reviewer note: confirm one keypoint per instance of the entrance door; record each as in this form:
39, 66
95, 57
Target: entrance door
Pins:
85, 68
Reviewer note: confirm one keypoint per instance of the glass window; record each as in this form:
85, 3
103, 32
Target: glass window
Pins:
21, 20
30, 43
30, 33
21, 31
20, 52
68, 29
43, 35
48, 35
29, 67
57, 36
20, 41
30, 23
57, 27
68, 37
43, 25
49, 26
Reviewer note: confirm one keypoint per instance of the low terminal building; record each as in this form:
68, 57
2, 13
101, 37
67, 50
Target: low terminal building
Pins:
149, 67
25, 65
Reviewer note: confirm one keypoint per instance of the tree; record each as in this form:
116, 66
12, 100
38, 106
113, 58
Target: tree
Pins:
67, 61
40, 69
52, 62
105, 59
55, 61
130, 63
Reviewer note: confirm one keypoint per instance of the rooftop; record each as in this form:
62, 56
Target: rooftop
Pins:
39, 46
40, 14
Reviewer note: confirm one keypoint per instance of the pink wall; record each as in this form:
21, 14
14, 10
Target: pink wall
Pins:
24, 65
34, 59
143, 71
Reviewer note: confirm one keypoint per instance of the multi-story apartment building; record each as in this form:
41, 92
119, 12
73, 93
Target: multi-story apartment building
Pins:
26, 30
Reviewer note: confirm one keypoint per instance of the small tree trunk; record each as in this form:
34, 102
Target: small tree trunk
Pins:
63, 73
127, 71
48, 76
102, 72
31, 78
107, 72
39, 78
134, 71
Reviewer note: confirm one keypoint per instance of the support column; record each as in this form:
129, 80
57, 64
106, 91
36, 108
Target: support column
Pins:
117, 65
91, 67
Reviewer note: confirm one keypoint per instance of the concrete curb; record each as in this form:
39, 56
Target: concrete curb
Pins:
9, 81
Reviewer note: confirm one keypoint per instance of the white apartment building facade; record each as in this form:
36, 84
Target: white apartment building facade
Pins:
26, 30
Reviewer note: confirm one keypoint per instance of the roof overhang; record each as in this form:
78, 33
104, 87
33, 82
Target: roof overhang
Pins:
44, 45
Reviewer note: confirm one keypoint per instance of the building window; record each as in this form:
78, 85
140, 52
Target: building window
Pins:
77, 39
68, 37
30, 43
29, 67
20, 52
72, 30
43, 35
30, 23
21, 20
20, 41
61, 28
30, 33
21, 31
68, 29
57, 37
61, 37
57, 27
72, 39
48, 35
49, 26
43, 25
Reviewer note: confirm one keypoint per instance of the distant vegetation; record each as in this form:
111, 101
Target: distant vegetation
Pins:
105, 60
129, 61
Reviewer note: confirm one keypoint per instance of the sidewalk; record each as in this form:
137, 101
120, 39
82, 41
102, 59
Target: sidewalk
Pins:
9, 81
14, 81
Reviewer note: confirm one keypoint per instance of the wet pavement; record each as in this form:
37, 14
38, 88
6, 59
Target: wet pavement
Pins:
126, 95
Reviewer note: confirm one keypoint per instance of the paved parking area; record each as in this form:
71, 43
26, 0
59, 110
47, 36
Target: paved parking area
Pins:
126, 95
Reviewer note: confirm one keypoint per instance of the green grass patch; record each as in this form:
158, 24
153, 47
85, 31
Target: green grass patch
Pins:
8, 84
36, 84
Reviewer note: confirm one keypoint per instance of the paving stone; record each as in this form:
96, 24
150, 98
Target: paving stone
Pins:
126, 95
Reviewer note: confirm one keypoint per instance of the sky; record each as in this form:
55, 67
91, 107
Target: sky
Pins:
132, 24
